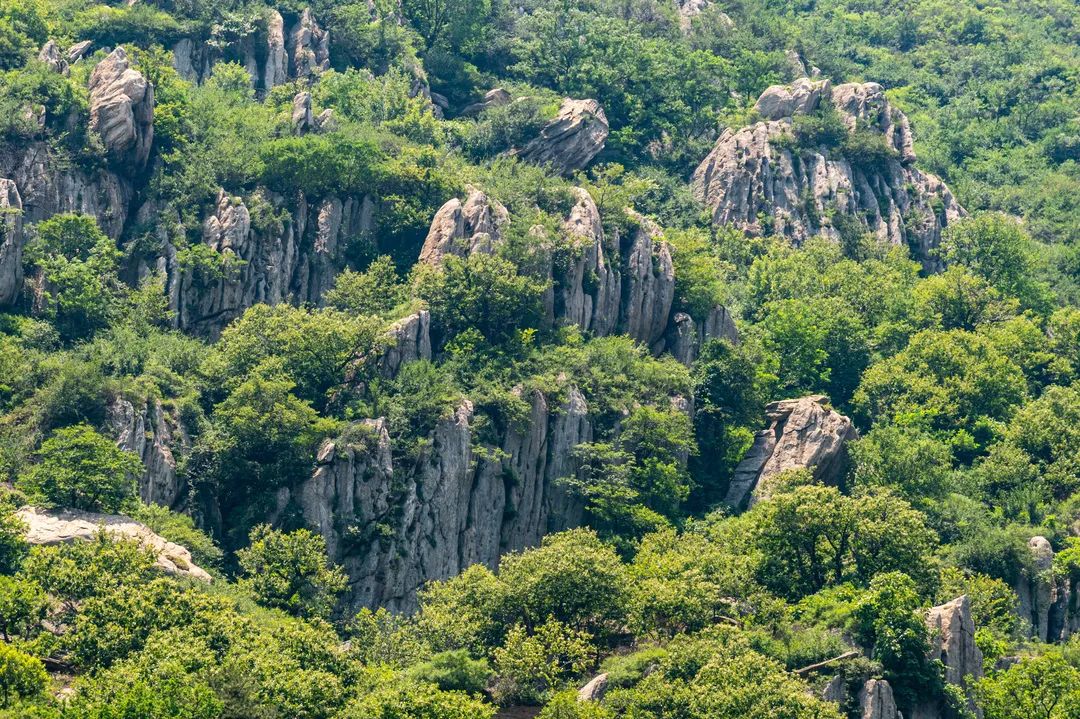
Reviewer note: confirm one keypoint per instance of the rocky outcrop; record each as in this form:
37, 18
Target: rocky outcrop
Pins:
1046, 599
78, 51
308, 46
594, 690
495, 97
50, 55
49, 527
410, 340
151, 434
876, 701
803, 433
47, 186
756, 179
275, 70
685, 336
122, 110
294, 258
571, 140
11, 242
463, 228
395, 528
649, 285
272, 55
589, 289
952, 641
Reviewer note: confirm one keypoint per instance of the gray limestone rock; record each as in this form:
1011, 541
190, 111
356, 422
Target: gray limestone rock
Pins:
78, 51
11, 242
308, 46
571, 140
649, 283
749, 175
49, 527
122, 109
51, 56
952, 641
275, 70
802, 433
464, 228
303, 119
594, 690
876, 701
410, 340
590, 287
152, 435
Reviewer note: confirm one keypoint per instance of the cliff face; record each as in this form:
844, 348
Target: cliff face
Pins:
754, 178
394, 528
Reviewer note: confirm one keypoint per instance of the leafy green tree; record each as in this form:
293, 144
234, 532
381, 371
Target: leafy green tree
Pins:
291, 571
954, 383
13, 545
959, 299
21, 675
812, 537
22, 31
77, 271
453, 670
888, 621
458, 24
78, 467
530, 665
572, 577
482, 292
911, 462
416, 701
22, 607
997, 249
1039, 687
376, 290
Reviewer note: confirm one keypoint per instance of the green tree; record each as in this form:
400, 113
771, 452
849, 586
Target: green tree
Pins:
22, 607
291, 571
1039, 687
376, 290
77, 272
416, 701
21, 675
13, 545
22, 31
531, 665
78, 467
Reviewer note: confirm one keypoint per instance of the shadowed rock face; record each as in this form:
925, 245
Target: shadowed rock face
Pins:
754, 180
61, 527
151, 434
876, 700
122, 109
1047, 599
570, 141
802, 433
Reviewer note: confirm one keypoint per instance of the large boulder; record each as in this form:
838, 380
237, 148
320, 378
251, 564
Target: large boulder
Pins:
48, 527
1045, 597
50, 55
463, 228
571, 140
11, 242
756, 179
594, 690
952, 641
803, 433
876, 701
122, 109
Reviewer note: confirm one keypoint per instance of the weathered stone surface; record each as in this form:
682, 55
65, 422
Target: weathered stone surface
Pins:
64, 526
594, 690
801, 97
295, 259
308, 46
411, 341
462, 229
152, 435
802, 433
449, 509
649, 283
1046, 599
275, 70
590, 288
78, 51
303, 118
749, 175
51, 56
876, 701
571, 140
11, 242
496, 97
122, 109
952, 641
685, 336
48, 187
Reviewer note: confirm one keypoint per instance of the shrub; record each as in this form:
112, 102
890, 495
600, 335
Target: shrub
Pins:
290, 571
529, 666
21, 675
453, 670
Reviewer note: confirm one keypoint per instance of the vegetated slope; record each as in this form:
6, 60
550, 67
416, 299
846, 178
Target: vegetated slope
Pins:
724, 353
